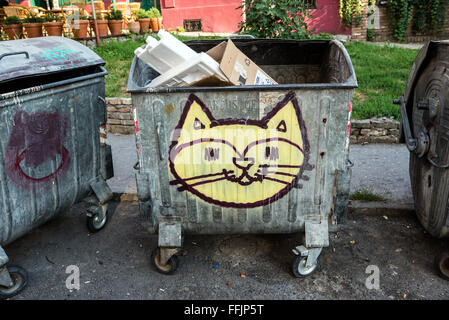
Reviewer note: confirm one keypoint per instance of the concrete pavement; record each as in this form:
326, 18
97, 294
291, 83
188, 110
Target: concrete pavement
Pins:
115, 263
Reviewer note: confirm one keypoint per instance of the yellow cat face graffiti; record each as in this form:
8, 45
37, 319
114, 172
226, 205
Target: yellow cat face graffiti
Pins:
239, 163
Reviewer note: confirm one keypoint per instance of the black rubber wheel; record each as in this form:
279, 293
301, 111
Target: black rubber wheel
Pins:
299, 268
169, 268
441, 264
94, 224
20, 278
428, 182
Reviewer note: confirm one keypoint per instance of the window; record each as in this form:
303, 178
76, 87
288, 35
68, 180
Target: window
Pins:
193, 25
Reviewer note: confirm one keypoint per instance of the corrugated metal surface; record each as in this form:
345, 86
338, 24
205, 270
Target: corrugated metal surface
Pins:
49, 151
324, 100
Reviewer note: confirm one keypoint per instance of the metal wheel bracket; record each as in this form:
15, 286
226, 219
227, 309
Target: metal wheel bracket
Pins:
101, 190
170, 233
5, 278
312, 254
166, 254
98, 210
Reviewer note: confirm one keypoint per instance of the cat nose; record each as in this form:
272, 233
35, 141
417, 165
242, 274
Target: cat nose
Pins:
243, 163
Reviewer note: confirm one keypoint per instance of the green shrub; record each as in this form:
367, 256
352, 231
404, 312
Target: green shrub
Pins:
33, 18
114, 15
12, 20
52, 17
154, 13
142, 14
275, 19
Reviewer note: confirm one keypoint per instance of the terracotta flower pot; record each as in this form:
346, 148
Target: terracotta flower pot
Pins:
159, 23
33, 30
54, 28
80, 28
144, 25
115, 26
154, 25
14, 31
102, 27
134, 26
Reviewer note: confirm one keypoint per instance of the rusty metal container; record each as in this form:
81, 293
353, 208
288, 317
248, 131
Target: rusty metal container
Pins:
52, 147
247, 159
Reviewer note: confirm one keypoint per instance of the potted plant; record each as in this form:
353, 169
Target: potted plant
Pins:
144, 20
53, 24
134, 26
154, 15
13, 27
102, 26
79, 28
32, 24
115, 21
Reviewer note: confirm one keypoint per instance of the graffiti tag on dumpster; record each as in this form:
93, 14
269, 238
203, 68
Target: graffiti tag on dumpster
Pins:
35, 154
239, 163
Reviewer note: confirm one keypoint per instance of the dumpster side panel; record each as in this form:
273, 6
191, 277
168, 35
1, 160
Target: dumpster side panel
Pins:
50, 152
325, 121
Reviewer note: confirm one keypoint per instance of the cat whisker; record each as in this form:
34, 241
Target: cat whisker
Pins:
224, 172
183, 188
279, 173
276, 180
278, 166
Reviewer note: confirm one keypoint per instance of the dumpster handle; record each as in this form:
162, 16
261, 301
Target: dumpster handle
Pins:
349, 164
136, 166
410, 141
15, 53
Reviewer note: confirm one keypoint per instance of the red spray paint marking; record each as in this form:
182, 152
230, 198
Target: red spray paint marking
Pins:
34, 140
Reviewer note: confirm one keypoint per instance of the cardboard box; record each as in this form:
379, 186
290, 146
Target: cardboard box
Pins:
237, 67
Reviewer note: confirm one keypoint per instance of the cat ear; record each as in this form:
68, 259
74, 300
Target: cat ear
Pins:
283, 117
195, 116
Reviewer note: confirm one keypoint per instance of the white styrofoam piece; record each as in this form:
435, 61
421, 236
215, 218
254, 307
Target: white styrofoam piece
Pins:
192, 70
165, 54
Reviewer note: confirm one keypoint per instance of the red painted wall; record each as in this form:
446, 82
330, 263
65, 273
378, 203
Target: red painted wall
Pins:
325, 18
216, 15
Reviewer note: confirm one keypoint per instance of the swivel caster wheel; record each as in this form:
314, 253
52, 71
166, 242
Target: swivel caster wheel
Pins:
171, 265
441, 263
96, 222
19, 277
300, 268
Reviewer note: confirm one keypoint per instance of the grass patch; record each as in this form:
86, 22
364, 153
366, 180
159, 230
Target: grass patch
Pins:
382, 73
365, 194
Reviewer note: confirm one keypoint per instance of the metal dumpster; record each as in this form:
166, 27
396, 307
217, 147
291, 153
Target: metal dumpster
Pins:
52, 147
247, 159
425, 130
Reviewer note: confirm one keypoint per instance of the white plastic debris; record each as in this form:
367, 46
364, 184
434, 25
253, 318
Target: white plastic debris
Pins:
178, 64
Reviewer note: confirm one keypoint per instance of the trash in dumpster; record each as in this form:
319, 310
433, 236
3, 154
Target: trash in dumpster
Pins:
180, 66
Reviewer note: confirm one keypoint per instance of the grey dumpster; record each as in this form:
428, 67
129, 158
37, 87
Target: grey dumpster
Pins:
247, 159
425, 129
52, 139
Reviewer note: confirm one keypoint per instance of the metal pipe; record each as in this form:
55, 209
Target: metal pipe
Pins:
97, 37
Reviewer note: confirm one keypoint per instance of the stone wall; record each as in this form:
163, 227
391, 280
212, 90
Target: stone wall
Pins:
377, 130
120, 115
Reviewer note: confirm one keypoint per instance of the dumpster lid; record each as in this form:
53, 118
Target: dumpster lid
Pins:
39, 56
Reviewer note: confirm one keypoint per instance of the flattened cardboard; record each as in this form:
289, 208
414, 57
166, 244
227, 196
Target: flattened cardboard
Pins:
237, 67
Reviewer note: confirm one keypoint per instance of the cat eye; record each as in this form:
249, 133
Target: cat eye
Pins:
211, 154
271, 153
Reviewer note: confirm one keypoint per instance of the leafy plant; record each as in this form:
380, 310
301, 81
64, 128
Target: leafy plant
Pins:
12, 20
400, 12
33, 18
52, 17
114, 15
154, 13
142, 14
369, 34
275, 19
